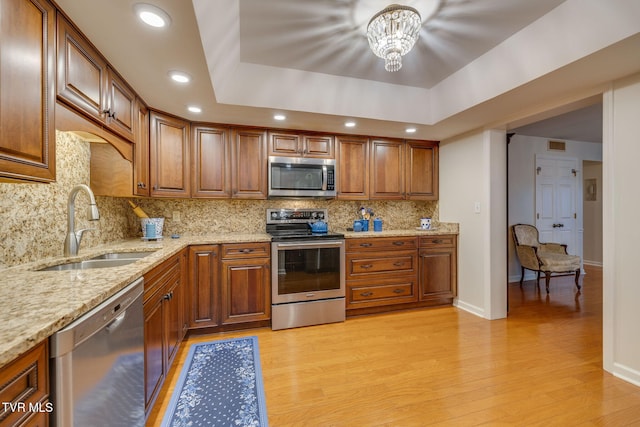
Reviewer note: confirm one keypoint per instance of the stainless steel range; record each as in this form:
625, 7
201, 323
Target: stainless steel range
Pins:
308, 278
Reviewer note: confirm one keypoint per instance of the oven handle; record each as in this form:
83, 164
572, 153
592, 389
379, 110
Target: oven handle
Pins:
302, 245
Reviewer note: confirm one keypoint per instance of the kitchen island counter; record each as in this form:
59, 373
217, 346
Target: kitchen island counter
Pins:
39, 303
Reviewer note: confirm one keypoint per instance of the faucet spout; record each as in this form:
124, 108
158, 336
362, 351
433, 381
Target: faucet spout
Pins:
73, 238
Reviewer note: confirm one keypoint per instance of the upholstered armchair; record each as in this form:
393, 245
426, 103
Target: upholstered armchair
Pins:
548, 258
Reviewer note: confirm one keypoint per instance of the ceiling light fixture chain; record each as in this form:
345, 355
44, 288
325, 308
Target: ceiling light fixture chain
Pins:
392, 33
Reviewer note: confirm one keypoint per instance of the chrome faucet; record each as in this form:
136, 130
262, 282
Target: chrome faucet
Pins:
72, 241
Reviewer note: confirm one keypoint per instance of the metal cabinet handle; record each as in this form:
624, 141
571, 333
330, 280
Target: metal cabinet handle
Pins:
436, 241
365, 245
366, 294
398, 243
398, 264
246, 250
366, 266
398, 291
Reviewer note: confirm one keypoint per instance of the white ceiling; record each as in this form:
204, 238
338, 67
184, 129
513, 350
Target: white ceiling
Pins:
477, 63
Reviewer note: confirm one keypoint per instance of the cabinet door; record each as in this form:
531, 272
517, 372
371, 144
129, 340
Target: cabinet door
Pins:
82, 73
169, 156
121, 106
421, 170
437, 271
319, 146
284, 144
27, 73
154, 360
141, 151
210, 162
387, 169
174, 314
353, 168
203, 279
249, 164
245, 290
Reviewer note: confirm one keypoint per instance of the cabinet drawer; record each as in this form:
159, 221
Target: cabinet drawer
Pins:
381, 263
380, 243
160, 275
24, 382
448, 240
246, 250
369, 294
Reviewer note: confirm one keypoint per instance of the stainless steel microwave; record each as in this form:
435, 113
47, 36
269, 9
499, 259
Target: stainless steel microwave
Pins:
302, 177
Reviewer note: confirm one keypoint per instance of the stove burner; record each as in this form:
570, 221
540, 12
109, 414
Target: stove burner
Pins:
293, 224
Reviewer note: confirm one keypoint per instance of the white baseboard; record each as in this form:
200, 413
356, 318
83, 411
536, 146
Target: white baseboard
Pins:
627, 374
470, 308
594, 263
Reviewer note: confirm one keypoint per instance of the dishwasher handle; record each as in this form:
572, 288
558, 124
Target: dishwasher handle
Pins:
111, 327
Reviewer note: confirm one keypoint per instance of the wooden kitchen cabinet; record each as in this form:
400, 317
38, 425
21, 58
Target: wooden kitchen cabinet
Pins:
421, 166
90, 86
380, 272
169, 166
301, 145
210, 162
25, 381
27, 82
141, 186
438, 269
164, 322
387, 169
204, 292
353, 168
245, 282
249, 164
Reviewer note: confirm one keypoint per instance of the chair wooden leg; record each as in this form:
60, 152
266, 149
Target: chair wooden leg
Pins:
538, 279
547, 278
522, 276
577, 279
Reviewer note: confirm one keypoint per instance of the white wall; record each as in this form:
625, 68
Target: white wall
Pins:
472, 171
522, 183
592, 215
621, 204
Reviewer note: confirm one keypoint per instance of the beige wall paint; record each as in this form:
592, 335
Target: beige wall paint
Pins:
592, 215
621, 234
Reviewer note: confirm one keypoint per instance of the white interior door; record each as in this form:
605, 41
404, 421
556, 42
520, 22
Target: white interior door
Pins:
556, 201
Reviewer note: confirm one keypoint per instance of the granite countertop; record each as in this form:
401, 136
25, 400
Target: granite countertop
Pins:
36, 304
39, 303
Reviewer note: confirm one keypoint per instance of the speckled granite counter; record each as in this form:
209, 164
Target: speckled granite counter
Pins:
438, 229
38, 303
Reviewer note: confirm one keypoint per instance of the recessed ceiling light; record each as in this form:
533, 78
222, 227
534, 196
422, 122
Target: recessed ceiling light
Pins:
410, 130
279, 117
350, 124
194, 109
152, 15
179, 76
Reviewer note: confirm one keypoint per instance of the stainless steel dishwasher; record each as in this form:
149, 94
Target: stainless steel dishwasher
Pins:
97, 365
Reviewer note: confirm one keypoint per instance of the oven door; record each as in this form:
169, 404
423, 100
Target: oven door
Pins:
307, 271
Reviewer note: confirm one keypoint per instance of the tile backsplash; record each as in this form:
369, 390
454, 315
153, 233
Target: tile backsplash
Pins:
33, 217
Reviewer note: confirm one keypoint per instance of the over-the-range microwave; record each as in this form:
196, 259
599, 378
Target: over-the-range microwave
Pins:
302, 177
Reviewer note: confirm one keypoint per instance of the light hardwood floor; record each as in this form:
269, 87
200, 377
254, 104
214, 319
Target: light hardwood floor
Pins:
540, 366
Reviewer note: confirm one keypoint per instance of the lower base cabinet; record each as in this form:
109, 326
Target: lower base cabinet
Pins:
24, 389
230, 285
164, 322
438, 268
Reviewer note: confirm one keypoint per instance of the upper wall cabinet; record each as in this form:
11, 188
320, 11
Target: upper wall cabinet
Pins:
301, 145
169, 156
210, 162
353, 168
387, 169
249, 164
87, 84
421, 170
27, 80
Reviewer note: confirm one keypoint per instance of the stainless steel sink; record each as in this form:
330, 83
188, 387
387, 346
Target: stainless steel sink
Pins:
90, 263
124, 255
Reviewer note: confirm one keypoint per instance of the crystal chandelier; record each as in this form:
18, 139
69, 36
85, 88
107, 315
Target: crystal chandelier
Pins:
392, 33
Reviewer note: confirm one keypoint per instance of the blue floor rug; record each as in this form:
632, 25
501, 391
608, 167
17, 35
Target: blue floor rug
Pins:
220, 385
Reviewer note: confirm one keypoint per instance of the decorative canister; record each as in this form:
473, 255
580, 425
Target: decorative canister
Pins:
425, 223
357, 225
377, 224
158, 224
